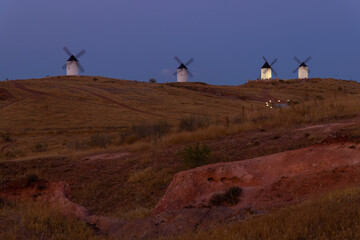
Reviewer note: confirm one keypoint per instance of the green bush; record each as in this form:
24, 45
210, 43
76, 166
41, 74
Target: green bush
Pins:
152, 131
99, 140
31, 178
229, 197
6, 137
39, 147
194, 123
196, 155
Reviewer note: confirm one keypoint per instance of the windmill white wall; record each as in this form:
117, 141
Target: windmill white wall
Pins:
72, 68
303, 72
265, 73
182, 75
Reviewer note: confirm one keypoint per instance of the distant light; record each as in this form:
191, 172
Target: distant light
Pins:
288, 100
278, 100
269, 100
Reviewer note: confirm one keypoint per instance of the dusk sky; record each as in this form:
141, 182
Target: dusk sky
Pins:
138, 39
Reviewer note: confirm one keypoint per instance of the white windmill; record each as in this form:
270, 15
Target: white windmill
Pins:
303, 69
267, 69
182, 71
72, 65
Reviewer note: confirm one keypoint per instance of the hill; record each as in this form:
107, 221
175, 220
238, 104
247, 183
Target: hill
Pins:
118, 143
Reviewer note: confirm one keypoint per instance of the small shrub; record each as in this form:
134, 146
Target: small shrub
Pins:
196, 155
39, 147
229, 197
152, 80
6, 137
193, 123
2, 203
31, 178
9, 155
137, 132
99, 140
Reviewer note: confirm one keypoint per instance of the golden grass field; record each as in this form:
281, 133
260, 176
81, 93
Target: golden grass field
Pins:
55, 116
53, 126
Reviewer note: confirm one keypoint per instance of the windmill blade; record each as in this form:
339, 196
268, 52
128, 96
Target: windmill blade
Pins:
64, 66
80, 67
309, 71
296, 59
264, 59
190, 74
275, 73
67, 51
188, 62
308, 59
178, 60
273, 62
175, 73
296, 69
82, 52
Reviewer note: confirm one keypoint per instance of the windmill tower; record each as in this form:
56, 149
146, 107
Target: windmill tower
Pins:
267, 69
303, 69
182, 71
72, 65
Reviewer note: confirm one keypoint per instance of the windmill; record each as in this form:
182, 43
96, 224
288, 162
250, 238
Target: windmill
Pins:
303, 69
72, 65
267, 69
182, 71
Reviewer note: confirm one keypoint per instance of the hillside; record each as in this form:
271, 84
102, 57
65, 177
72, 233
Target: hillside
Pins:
117, 143
56, 113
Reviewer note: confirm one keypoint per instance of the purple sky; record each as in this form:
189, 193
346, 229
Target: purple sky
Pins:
138, 39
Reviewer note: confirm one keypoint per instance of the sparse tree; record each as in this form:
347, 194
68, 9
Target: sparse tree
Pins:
152, 80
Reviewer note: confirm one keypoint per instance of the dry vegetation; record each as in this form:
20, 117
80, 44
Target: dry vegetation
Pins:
28, 221
64, 116
335, 216
58, 122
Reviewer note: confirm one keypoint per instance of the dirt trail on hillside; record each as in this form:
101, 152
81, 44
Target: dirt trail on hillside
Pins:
33, 92
116, 102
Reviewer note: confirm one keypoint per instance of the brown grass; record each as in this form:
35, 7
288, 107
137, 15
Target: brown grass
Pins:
26, 221
335, 216
69, 116
66, 112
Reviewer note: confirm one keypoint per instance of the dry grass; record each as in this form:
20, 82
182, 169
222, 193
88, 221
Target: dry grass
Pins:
335, 216
62, 113
74, 119
26, 221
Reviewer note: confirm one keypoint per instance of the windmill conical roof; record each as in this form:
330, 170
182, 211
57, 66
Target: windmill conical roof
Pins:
72, 58
303, 65
182, 66
266, 65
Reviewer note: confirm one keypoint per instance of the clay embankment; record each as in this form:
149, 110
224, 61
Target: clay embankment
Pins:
269, 180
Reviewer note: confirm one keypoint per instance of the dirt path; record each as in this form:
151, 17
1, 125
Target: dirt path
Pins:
33, 92
118, 103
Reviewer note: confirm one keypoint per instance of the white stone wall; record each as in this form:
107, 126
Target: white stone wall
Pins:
182, 75
72, 68
266, 73
303, 72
